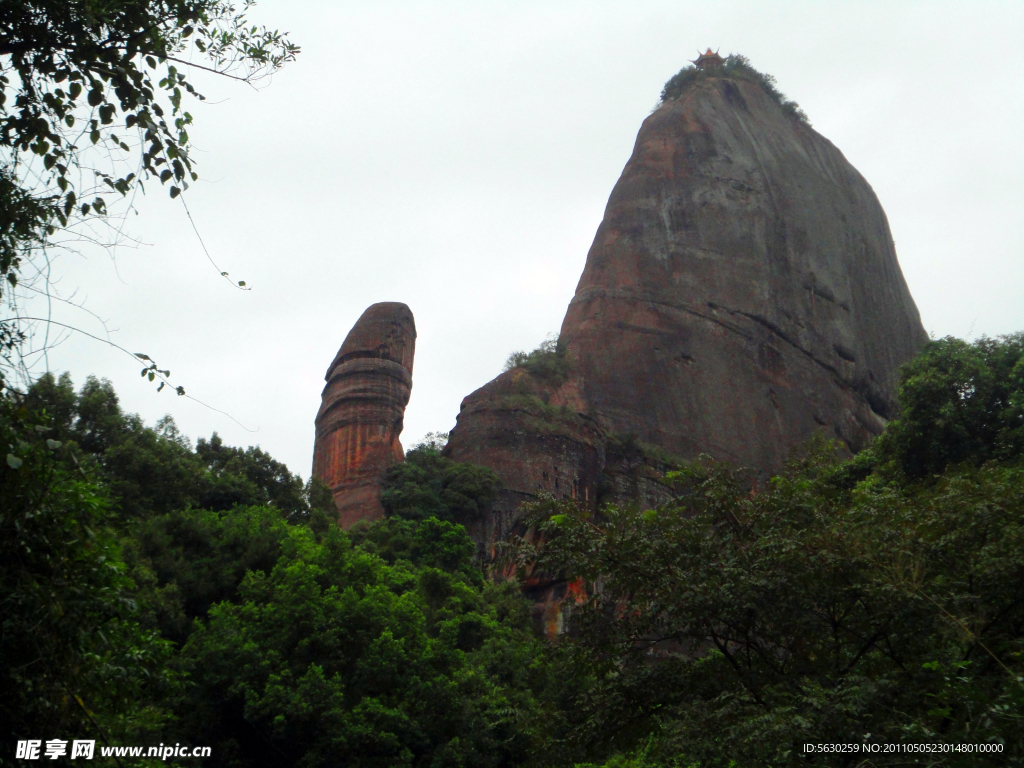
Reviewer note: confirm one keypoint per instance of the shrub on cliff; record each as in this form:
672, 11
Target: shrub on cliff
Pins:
547, 362
736, 67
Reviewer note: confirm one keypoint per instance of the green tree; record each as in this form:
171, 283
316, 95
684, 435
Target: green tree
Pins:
427, 484
737, 627
431, 542
260, 478
189, 560
193, 522
338, 657
154, 470
77, 75
74, 656
960, 403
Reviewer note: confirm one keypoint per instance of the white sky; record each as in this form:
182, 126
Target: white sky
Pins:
458, 157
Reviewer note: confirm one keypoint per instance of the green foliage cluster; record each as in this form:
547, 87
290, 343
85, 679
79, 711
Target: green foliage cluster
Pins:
74, 658
196, 596
541, 416
548, 362
185, 561
736, 67
539, 405
630, 444
846, 602
961, 404
154, 470
429, 485
733, 627
339, 658
429, 542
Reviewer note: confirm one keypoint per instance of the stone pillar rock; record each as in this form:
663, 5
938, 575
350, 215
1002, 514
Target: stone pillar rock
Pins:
363, 405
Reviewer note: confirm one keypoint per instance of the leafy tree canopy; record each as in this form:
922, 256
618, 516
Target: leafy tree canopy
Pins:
875, 600
155, 470
387, 647
338, 658
188, 560
960, 403
74, 656
428, 484
733, 627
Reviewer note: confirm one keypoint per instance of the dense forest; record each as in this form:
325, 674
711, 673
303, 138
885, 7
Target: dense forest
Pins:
159, 592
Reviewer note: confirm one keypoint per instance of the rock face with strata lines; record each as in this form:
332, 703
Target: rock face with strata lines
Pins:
741, 294
363, 405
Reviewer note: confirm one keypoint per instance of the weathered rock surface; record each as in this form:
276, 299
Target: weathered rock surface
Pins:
741, 294
363, 404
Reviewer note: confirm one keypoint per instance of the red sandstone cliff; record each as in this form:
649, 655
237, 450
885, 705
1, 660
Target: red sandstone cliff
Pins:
363, 404
741, 294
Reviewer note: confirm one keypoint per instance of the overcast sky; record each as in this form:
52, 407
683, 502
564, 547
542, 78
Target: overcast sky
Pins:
458, 157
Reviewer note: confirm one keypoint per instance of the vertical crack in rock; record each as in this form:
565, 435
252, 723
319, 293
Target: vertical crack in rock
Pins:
363, 404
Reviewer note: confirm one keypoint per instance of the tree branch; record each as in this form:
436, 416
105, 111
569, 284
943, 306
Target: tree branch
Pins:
197, 66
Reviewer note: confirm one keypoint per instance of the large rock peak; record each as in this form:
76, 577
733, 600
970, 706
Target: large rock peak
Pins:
741, 294
363, 404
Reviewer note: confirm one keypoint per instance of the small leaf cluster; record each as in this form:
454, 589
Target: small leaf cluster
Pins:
152, 371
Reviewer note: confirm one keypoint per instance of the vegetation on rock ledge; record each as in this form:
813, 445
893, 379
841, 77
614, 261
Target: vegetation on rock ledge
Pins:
548, 362
736, 67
